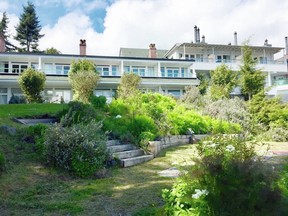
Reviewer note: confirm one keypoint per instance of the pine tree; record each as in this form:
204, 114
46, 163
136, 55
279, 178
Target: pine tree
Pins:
252, 79
28, 29
3, 31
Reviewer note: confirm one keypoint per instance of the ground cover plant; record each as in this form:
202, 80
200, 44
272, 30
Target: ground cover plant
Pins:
228, 178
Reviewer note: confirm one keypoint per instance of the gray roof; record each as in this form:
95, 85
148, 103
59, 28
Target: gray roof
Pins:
139, 53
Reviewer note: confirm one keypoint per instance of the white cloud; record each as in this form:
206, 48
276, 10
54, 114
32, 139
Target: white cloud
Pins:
137, 23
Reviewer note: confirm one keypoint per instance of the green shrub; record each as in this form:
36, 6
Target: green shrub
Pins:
183, 119
227, 178
32, 84
80, 149
274, 134
116, 127
2, 163
78, 112
118, 107
98, 102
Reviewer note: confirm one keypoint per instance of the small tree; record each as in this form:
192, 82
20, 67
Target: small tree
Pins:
204, 82
83, 78
223, 80
252, 79
32, 84
129, 92
28, 29
128, 86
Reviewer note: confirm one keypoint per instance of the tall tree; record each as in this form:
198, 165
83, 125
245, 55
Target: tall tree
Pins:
252, 79
223, 80
28, 29
4, 32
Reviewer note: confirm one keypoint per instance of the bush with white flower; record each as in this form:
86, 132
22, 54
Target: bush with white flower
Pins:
227, 178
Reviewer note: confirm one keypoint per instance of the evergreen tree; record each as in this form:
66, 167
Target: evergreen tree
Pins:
223, 80
3, 31
28, 29
252, 79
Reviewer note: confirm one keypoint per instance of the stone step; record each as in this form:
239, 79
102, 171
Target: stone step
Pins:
135, 160
120, 148
112, 142
128, 154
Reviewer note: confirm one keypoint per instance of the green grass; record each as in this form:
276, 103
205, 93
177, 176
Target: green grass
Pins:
10, 111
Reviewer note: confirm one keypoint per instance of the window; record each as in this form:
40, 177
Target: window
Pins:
199, 57
226, 58
150, 71
175, 93
4, 67
139, 70
263, 60
34, 66
114, 70
172, 72
183, 72
180, 55
48, 95
3, 95
219, 59
103, 70
62, 69
126, 69
48, 68
19, 67
162, 72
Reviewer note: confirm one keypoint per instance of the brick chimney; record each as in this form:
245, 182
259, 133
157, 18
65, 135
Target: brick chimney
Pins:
82, 47
2, 44
152, 51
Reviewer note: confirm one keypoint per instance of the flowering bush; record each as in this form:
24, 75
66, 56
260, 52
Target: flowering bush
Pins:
227, 179
80, 149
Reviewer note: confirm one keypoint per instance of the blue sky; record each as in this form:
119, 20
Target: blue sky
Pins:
108, 25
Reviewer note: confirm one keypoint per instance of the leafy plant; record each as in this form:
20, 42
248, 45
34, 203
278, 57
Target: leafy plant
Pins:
227, 178
32, 84
80, 149
98, 102
78, 112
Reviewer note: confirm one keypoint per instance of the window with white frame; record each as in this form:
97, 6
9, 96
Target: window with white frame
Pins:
48, 68
4, 67
175, 93
127, 69
3, 95
62, 69
172, 72
19, 67
162, 72
139, 70
115, 70
199, 58
103, 70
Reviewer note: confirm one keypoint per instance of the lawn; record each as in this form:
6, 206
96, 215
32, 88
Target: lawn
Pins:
10, 111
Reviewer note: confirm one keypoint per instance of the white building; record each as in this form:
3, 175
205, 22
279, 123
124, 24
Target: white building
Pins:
165, 71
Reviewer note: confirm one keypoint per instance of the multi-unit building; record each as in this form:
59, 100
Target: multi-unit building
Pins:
165, 71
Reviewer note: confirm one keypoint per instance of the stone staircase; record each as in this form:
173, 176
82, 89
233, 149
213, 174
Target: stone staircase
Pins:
128, 154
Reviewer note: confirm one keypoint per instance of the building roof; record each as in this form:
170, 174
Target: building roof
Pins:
139, 53
274, 50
